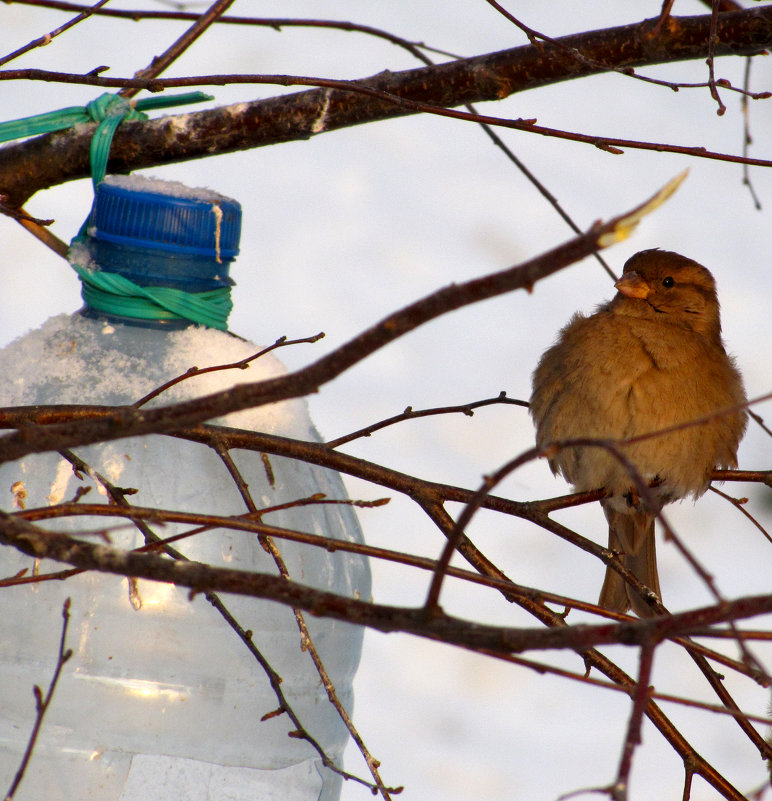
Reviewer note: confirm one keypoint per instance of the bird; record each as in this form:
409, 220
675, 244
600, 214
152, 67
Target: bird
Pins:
650, 359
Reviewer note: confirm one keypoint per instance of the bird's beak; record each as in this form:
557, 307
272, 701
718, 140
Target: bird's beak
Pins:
631, 285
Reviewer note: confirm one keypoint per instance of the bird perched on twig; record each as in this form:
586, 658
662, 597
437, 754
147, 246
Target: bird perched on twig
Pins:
650, 359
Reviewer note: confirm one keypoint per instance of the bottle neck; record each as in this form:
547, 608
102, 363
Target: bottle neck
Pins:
149, 267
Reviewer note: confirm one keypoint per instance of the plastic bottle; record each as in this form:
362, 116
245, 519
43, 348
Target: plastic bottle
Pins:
161, 700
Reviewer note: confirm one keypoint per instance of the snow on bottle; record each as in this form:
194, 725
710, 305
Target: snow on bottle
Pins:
161, 699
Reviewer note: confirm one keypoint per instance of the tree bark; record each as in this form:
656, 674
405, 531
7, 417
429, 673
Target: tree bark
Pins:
52, 159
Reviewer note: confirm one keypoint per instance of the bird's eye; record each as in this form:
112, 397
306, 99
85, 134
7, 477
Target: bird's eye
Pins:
668, 282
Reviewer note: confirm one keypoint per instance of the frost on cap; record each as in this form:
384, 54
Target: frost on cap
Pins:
166, 215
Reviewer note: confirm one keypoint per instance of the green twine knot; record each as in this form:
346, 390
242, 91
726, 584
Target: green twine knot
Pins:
107, 110
109, 105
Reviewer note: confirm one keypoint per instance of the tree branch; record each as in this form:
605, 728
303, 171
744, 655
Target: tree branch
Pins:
438, 626
52, 159
129, 421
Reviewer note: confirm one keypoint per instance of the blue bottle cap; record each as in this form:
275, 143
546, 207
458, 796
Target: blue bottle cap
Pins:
140, 212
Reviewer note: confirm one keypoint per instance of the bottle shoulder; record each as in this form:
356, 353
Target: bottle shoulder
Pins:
72, 359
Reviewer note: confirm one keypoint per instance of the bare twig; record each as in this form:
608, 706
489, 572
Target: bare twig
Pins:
583, 678
412, 414
43, 702
177, 48
739, 503
84, 13
747, 139
721, 110
37, 227
633, 738
243, 364
276, 23
46, 236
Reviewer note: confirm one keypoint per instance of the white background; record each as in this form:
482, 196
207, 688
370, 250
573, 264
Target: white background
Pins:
347, 227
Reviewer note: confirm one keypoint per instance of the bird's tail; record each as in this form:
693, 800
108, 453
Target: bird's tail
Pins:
632, 534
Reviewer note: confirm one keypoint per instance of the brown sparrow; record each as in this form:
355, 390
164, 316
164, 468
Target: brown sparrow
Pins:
651, 358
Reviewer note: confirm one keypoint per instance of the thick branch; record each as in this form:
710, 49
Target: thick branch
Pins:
131, 421
437, 625
56, 158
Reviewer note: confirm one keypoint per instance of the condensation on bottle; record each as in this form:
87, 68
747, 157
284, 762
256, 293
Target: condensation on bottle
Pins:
161, 699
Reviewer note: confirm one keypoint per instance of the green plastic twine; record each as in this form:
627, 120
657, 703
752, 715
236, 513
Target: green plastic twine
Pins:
108, 110
106, 291
116, 294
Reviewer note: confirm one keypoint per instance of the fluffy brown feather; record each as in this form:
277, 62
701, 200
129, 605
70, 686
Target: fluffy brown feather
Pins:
649, 359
